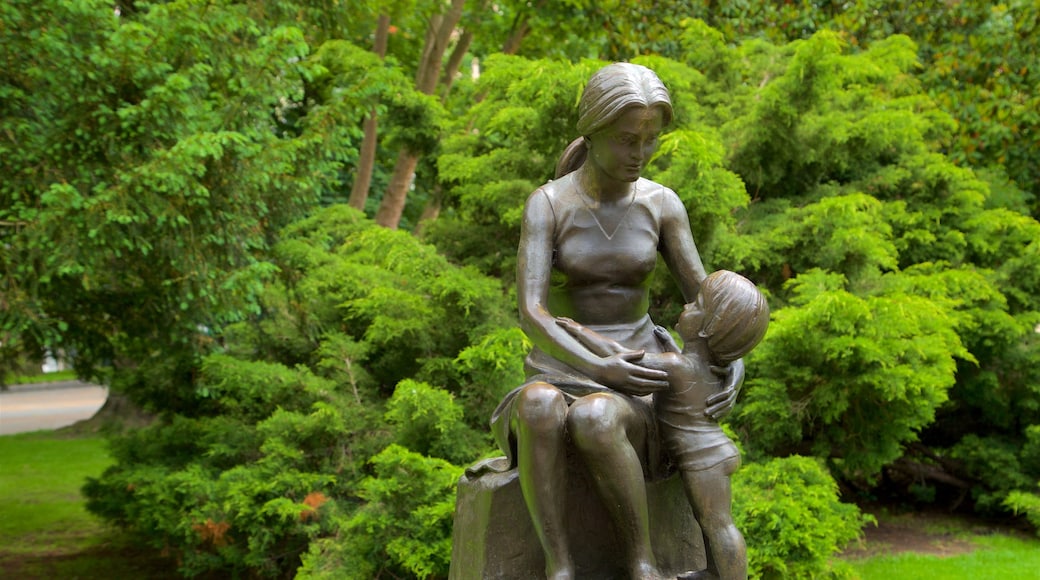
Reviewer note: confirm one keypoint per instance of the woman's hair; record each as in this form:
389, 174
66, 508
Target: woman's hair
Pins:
735, 315
611, 90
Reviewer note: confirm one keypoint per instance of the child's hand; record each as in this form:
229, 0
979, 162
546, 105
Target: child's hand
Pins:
666, 339
721, 403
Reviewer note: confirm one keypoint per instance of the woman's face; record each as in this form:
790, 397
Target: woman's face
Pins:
622, 149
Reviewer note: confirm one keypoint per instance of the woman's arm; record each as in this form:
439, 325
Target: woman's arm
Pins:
678, 248
680, 253
533, 271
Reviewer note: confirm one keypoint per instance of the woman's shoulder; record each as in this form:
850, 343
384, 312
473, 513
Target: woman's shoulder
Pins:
651, 190
559, 187
661, 200
556, 193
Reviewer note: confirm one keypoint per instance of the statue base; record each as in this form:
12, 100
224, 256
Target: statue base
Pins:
494, 538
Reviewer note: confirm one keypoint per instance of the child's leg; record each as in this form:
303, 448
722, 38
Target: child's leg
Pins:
710, 496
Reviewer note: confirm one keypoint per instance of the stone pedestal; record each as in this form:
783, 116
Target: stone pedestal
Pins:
494, 537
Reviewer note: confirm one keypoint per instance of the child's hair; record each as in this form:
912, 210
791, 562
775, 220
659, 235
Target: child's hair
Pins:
735, 315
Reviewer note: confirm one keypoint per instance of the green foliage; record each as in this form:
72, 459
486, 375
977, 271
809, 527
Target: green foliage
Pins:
789, 512
996, 462
414, 119
489, 370
249, 390
317, 381
975, 60
429, 422
1027, 504
852, 378
404, 526
503, 150
231, 493
901, 287
148, 158
298, 437
398, 298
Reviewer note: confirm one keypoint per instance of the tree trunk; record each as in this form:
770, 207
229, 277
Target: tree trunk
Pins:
367, 158
392, 206
454, 61
431, 211
366, 163
512, 44
437, 37
117, 415
521, 27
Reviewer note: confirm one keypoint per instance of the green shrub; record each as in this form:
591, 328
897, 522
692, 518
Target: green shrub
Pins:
1027, 504
792, 520
428, 421
309, 427
234, 497
404, 528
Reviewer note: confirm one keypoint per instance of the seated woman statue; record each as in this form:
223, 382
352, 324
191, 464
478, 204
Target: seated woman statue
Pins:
729, 318
589, 244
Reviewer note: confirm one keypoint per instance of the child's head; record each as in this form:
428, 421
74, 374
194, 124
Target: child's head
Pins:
730, 313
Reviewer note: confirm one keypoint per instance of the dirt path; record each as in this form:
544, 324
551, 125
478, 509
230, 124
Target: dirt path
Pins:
924, 533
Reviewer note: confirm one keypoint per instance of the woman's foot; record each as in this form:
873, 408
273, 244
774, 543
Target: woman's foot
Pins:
561, 573
647, 571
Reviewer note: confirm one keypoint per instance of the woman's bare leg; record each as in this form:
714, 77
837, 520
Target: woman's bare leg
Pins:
711, 497
603, 427
539, 425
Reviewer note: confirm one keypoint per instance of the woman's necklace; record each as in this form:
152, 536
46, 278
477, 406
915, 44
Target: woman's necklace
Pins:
594, 205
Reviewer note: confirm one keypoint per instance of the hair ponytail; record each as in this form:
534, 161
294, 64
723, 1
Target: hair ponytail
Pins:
573, 156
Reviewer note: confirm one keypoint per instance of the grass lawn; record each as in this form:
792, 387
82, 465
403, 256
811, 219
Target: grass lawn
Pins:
952, 549
45, 531
997, 557
69, 375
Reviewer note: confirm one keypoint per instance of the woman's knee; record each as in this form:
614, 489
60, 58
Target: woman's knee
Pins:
541, 406
596, 420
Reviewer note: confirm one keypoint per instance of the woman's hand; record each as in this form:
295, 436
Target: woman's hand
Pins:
618, 368
720, 404
622, 373
594, 341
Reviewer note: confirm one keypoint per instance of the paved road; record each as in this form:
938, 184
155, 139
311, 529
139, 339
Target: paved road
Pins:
36, 407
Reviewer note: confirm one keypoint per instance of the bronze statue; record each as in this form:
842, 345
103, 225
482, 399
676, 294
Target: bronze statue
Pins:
727, 321
589, 244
